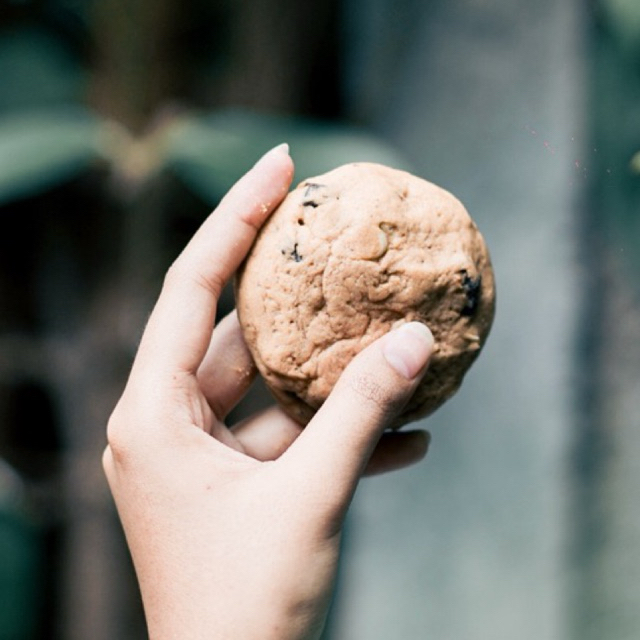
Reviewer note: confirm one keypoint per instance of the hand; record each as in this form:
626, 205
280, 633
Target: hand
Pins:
234, 533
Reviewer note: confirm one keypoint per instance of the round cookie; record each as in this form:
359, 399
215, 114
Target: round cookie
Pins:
347, 256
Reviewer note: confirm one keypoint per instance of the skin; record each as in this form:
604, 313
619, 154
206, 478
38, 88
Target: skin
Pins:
235, 532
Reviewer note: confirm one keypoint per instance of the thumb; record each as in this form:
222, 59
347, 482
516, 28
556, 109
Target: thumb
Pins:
335, 446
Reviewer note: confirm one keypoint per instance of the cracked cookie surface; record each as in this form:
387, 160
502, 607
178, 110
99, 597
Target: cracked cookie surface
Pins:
347, 256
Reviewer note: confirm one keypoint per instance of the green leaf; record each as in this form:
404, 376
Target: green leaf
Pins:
37, 71
210, 153
41, 150
624, 17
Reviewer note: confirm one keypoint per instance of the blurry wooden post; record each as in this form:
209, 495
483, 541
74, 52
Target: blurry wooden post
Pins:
139, 70
284, 56
136, 69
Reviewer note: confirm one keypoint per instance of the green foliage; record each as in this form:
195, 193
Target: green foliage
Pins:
47, 138
208, 152
624, 18
615, 106
36, 71
40, 150
211, 152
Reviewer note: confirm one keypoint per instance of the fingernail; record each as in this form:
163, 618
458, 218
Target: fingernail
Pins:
281, 148
408, 348
277, 150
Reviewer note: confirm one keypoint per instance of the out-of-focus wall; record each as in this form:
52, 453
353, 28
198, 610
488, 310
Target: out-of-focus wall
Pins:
487, 99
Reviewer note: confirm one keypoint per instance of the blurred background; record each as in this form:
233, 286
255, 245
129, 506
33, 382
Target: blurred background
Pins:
122, 122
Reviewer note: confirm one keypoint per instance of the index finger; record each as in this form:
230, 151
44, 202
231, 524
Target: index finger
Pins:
179, 329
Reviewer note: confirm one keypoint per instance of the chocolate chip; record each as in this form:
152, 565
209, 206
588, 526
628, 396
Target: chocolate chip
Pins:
472, 289
310, 187
294, 253
307, 196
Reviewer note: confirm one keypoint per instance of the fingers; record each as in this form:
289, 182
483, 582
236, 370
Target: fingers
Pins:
179, 330
334, 448
396, 450
267, 434
227, 371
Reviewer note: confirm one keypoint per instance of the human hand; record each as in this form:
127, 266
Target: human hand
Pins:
234, 533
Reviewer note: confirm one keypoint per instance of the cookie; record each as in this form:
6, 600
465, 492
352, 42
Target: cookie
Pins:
349, 255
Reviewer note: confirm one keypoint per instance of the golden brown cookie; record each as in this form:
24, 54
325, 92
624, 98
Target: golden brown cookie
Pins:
347, 256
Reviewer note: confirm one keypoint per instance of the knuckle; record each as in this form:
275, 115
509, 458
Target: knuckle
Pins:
384, 399
181, 273
121, 438
132, 433
176, 275
117, 446
369, 389
107, 461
